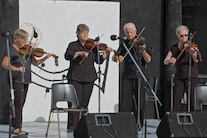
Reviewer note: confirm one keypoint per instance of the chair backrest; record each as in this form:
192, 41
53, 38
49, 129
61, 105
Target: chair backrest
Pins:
64, 92
200, 97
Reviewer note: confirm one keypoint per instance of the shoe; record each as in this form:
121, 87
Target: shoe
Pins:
70, 130
139, 128
16, 132
24, 133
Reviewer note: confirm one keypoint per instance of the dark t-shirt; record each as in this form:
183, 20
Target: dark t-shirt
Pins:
130, 70
182, 64
84, 72
16, 59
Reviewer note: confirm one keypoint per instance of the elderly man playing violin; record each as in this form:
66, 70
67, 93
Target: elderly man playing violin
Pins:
182, 67
20, 39
130, 77
82, 73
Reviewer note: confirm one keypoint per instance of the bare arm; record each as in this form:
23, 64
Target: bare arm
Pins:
37, 62
146, 56
169, 59
105, 54
5, 64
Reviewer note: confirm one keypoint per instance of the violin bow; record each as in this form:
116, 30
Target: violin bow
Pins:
181, 52
88, 52
176, 59
134, 41
91, 48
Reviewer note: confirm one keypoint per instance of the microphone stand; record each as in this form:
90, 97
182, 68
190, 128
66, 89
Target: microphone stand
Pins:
189, 73
99, 75
139, 89
24, 63
143, 76
11, 102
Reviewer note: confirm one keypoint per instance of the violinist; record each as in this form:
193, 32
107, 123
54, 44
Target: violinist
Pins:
82, 73
182, 68
128, 99
20, 40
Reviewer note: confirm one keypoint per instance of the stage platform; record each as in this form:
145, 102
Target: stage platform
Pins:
38, 130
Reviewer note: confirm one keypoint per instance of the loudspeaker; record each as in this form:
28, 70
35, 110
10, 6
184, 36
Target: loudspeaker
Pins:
119, 125
183, 125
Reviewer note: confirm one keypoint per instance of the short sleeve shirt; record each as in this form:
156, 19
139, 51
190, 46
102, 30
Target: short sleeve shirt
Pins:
16, 59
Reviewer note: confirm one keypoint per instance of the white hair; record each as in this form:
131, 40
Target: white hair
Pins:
180, 28
129, 25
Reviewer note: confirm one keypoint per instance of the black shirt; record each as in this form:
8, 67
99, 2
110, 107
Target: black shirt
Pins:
84, 72
182, 64
16, 59
130, 70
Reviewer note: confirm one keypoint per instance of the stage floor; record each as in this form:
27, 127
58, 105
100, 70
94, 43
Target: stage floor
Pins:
38, 130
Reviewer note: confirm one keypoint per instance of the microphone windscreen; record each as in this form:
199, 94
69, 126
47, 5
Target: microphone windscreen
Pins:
113, 37
3, 33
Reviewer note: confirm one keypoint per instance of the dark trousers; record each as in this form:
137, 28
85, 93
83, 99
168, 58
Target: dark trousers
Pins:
129, 97
17, 102
180, 86
83, 90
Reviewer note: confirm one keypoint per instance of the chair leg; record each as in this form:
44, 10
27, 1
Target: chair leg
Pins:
157, 111
80, 115
48, 123
58, 123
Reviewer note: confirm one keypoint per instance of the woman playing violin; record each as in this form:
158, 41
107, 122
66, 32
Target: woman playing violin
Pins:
82, 75
20, 39
130, 74
182, 67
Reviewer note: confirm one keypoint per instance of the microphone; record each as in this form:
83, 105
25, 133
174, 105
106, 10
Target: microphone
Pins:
5, 33
42, 65
115, 37
35, 35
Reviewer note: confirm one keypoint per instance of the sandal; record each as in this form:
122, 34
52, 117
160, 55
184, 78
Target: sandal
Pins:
16, 131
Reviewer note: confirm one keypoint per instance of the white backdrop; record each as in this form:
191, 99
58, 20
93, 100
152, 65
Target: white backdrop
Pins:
57, 20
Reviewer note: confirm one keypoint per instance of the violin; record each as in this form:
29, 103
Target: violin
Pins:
37, 52
187, 49
91, 44
138, 44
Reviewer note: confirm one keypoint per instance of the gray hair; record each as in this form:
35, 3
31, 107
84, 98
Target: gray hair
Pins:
81, 27
20, 33
129, 25
180, 28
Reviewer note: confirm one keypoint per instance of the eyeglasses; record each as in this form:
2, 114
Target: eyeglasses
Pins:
183, 35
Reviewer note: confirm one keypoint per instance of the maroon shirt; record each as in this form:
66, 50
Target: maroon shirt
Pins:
182, 64
84, 72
